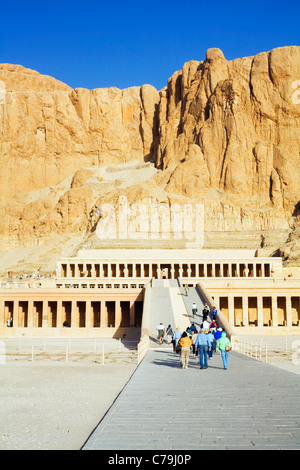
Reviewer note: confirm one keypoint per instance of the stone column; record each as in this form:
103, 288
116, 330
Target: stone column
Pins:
158, 271
69, 274
260, 311
103, 314
289, 311
132, 313
16, 319
126, 271
255, 270
30, 319
180, 270
118, 314
77, 270
189, 270
231, 310
88, 314
45, 314
35, 320
93, 270
49, 316
172, 271
74, 316
213, 270
245, 311
274, 311
59, 314
100, 270
109, 271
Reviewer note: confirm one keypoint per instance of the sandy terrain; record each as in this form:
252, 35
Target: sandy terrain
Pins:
55, 405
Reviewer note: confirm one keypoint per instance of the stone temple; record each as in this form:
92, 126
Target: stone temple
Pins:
109, 292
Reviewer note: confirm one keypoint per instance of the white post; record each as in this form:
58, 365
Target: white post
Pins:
260, 349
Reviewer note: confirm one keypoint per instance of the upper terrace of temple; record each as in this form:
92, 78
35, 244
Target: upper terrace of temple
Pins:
171, 264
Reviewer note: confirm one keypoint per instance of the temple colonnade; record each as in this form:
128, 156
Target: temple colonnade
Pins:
46, 310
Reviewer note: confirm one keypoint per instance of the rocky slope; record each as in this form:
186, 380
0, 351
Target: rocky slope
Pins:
223, 133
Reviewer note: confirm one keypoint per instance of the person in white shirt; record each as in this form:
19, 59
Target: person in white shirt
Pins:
194, 309
161, 332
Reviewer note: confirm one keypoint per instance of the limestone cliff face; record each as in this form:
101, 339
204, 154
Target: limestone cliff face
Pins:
237, 124
48, 130
225, 133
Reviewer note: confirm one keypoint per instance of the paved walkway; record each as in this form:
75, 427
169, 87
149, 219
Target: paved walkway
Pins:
252, 405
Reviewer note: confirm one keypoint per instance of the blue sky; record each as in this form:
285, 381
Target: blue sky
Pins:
96, 44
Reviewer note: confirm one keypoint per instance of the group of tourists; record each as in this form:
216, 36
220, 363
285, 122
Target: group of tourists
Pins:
203, 343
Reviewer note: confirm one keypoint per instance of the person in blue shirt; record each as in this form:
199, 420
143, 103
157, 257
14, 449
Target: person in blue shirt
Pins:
213, 343
214, 313
203, 345
176, 337
218, 334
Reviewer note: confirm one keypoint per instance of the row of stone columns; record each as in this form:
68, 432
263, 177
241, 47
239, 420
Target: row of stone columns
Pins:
265, 316
46, 314
71, 270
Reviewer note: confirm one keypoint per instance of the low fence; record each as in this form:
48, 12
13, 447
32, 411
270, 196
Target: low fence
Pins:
95, 351
264, 352
256, 350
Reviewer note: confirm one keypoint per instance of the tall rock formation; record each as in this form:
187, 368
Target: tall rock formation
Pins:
224, 133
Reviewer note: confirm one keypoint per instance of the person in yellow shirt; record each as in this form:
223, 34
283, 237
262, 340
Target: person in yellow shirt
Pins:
185, 343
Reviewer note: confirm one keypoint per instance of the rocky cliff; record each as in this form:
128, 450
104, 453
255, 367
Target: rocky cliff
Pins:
223, 133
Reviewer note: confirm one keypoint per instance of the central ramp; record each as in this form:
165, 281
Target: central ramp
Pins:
252, 405
167, 306
194, 296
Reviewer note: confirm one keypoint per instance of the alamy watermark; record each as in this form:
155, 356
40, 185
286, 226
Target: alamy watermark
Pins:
150, 221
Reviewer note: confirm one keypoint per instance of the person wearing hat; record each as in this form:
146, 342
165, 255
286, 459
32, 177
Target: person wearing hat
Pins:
218, 334
203, 345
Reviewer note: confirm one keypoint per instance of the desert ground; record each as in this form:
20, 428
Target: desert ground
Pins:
52, 404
